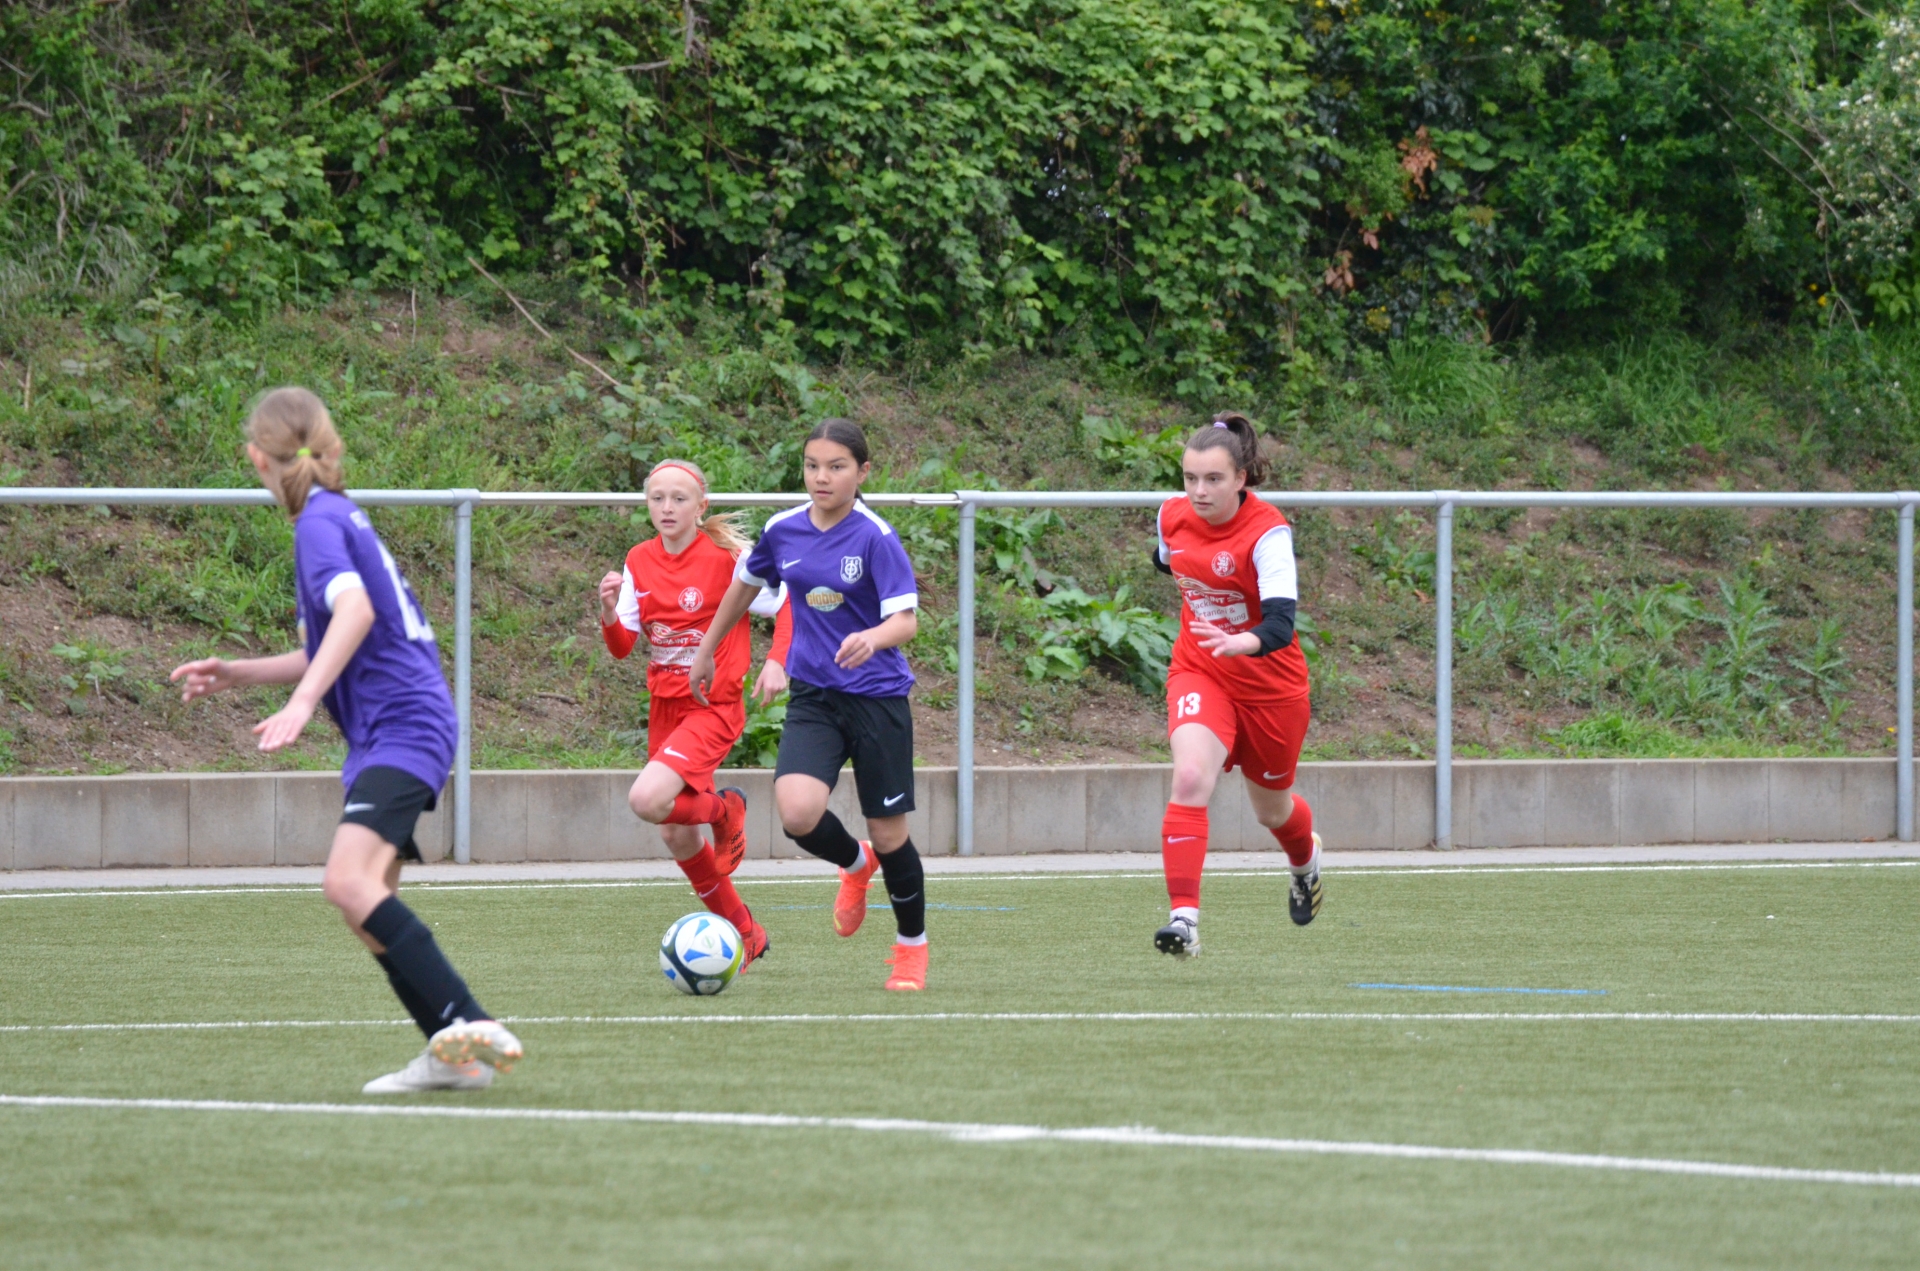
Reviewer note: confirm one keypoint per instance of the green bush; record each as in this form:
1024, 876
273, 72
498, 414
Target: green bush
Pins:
1218, 193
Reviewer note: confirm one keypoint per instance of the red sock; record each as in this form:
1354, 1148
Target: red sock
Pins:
715, 889
1183, 851
1297, 834
696, 807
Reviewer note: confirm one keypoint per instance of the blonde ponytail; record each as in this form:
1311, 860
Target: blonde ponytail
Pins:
292, 428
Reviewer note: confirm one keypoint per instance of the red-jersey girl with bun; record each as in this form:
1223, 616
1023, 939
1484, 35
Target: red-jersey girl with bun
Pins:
668, 590
1237, 685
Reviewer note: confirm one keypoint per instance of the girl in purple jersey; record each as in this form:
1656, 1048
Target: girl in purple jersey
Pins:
854, 604
369, 656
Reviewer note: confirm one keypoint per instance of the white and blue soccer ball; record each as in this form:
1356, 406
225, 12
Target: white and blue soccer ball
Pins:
701, 953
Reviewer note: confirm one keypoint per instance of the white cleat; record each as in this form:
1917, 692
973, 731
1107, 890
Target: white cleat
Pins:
483, 1040
428, 1073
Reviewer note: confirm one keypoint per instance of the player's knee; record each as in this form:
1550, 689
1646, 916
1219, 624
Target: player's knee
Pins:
1192, 783
1277, 813
799, 821
350, 893
799, 816
649, 806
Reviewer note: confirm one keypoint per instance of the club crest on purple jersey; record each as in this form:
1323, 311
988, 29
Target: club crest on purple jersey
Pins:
850, 567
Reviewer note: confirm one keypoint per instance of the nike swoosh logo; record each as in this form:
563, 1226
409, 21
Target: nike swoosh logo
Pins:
887, 803
669, 750
789, 564
358, 807
1175, 551
1272, 776
1184, 838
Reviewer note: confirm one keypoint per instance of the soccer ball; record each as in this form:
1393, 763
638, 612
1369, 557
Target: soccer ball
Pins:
701, 953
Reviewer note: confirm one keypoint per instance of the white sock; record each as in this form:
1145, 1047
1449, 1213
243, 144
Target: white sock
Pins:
911, 940
1188, 912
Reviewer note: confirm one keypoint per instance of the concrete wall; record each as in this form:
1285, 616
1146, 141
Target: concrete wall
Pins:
288, 819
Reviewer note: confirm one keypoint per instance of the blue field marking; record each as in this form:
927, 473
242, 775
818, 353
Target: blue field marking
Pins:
1461, 988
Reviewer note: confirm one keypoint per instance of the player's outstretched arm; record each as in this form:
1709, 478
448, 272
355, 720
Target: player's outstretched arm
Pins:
352, 619
733, 607
859, 647
214, 675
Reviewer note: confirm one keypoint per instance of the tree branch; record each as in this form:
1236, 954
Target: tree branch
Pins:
585, 361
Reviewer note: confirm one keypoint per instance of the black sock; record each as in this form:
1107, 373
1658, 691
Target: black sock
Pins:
829, 841
906, 888
417, 960
422, 1015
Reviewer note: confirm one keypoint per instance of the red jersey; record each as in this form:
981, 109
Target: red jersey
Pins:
1224, 572
672, 600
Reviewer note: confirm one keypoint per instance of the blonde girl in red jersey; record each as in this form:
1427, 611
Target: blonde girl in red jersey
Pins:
1237, 686
668, 590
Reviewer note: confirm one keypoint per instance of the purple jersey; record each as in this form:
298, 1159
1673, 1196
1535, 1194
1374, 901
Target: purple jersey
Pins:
391, 701
847, 579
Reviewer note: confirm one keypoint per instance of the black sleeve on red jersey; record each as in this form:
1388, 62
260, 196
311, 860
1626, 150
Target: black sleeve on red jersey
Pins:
1276, 625
1159, 564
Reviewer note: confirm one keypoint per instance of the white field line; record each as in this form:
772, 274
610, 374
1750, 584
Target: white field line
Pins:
946, 880
1020, 1017
976, 1132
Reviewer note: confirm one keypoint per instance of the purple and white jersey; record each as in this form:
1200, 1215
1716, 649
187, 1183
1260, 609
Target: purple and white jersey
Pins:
847, 579
391, 702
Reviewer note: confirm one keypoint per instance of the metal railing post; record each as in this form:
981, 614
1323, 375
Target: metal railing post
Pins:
1443, 676
963, 774
1903, 772
463, 679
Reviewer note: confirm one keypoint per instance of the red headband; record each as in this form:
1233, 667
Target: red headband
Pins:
686, 468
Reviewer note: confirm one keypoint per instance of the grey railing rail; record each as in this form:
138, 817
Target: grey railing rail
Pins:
968, 504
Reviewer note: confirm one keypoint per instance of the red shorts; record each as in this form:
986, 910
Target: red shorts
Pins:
1262, 738
692, 739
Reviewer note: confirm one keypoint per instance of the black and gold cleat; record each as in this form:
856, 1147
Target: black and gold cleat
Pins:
1303, 897
1181, 938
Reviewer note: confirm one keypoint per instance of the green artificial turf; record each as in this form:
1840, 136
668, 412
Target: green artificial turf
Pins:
88, 1187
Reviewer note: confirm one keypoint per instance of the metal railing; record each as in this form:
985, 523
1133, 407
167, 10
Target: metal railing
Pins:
968, 504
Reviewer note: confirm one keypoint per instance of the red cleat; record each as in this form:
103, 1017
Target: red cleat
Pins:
850, 906
756, 942
730, 832
909, 968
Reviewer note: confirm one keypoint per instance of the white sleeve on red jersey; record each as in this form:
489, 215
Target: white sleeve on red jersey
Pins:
627, 608
767, 603
1273, 562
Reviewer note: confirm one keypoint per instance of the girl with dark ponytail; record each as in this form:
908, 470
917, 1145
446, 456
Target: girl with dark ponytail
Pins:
1237, 686
854, 604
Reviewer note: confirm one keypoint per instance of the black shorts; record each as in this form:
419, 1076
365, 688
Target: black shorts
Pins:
389, 802
826, 727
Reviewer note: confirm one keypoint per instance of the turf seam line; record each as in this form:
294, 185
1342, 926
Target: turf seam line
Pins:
945, 879
1122, 1017
976, 1132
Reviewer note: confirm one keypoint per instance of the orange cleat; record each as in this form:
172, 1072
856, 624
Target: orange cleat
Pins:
909, 968
757, 944
730, 833
850, 906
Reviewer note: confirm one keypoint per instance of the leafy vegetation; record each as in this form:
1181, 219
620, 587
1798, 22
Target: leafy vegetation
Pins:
1225, 194
1027, 242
